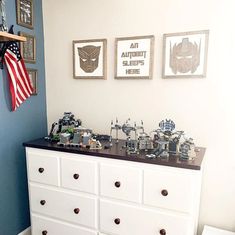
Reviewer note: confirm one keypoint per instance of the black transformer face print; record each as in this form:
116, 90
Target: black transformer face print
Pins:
89, 58
185, 56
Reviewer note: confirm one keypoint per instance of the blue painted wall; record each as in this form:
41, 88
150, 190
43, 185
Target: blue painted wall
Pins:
26, 123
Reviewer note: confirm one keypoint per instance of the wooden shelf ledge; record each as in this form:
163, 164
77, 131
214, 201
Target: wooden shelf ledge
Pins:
4, 37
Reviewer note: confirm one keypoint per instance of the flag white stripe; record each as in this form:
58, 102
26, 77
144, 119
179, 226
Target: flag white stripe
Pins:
11, 76
26, 80
17, 105
19, 100
21, 93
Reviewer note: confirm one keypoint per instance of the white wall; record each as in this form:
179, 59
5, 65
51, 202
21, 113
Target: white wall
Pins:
201, 107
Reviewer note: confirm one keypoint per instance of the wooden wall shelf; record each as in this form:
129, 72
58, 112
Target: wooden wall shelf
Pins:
4, 37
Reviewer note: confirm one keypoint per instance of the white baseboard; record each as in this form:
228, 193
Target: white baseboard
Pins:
27, 231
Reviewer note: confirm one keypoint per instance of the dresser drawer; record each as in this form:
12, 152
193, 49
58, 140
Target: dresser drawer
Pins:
169, 189
52, 227
43, 169
121, 182
79, 175
120, 219
67, 206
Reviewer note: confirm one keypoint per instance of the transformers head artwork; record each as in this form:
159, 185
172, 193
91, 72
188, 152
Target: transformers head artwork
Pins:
185, 56
89, 58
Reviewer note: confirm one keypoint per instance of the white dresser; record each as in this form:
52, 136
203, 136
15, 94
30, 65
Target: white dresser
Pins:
76, 194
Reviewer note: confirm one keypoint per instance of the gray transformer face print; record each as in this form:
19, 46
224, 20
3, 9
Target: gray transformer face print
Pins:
89, 58
185, 56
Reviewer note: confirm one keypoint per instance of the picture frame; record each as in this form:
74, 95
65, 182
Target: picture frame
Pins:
25, 13
33, 76
28, 48
90, 59
185, 54
134, 57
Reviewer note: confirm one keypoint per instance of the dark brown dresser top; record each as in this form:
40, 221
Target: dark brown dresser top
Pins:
118, 152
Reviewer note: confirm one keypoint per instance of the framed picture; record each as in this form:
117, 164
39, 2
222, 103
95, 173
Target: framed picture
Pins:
24, 13
28, 48
134, 57
33, 79
185, 54
89, 58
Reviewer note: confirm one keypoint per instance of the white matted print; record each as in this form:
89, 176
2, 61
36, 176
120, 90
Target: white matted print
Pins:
134, 57
89, 58
185, 54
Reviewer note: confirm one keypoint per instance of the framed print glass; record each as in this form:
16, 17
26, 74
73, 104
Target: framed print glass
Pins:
185, 54
24, 13
33, 80
28, 48
134, 57
89, 58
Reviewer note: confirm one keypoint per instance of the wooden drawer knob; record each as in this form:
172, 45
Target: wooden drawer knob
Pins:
76, 176
76, 210
117, 184
44, 232
117, 221
164, 192
163, 232
41, 170
42, 202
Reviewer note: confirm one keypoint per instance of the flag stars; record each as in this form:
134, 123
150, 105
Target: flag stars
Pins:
14, 48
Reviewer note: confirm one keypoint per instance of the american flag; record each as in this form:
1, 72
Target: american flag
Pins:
20, 85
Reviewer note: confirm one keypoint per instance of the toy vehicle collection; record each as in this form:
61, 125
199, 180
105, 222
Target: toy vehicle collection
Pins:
160, 143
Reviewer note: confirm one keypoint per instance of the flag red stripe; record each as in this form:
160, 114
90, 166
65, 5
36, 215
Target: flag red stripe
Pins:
13, 94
